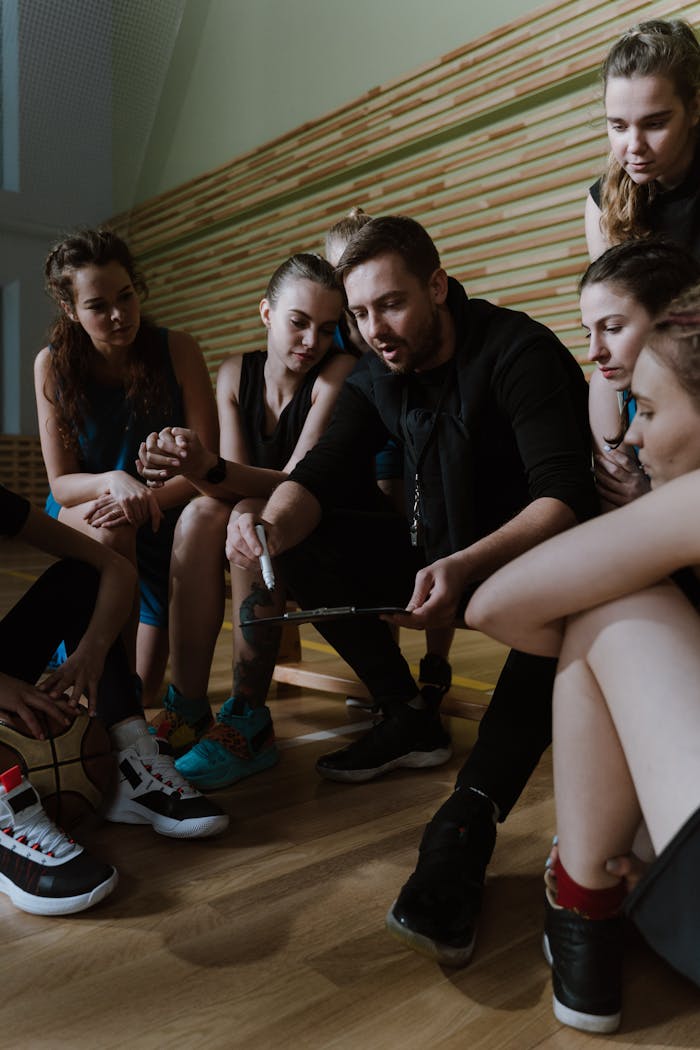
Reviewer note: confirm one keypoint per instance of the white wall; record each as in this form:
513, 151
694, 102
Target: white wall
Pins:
247, 71
122, 99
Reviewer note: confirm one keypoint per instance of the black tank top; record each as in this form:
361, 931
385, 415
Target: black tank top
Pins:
675, 214
271, 450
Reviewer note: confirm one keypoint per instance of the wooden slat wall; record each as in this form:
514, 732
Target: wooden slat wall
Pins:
492, 148
22, 467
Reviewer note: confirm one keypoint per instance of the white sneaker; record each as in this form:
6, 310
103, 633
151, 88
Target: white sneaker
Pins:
43, 871
151, 791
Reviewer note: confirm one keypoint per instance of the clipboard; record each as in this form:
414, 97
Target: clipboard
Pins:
338, 612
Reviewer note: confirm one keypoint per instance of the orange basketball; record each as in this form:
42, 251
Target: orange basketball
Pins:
73, 769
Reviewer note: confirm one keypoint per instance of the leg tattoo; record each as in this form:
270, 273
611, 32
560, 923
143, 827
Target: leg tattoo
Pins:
255, 660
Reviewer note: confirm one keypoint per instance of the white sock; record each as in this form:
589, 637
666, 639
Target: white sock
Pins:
134, 733
418, 703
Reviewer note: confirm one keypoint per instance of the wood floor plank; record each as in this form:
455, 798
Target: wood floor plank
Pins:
272, 935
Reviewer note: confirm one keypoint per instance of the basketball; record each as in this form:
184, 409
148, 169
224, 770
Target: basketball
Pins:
72, 769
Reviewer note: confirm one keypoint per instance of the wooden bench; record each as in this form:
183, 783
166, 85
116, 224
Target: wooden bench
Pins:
333, 675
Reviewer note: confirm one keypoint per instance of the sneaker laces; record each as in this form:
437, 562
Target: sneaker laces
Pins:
162, 768
37, 831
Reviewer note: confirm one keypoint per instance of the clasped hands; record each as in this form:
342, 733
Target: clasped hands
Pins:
173, 451
128, 502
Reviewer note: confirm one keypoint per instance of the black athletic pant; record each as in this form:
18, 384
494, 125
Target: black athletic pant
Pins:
56, 608
363, 559
356, 558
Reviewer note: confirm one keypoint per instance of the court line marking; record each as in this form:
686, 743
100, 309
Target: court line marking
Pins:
20, 575
322, 647
324, 734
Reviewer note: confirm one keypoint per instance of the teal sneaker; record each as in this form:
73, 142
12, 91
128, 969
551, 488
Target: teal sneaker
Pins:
237, 746
181, 722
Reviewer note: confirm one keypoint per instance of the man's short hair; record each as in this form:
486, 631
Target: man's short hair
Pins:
392, 233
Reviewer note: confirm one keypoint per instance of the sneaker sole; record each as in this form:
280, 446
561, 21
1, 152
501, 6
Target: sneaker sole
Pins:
359, 703
440, 953
413, 760
192, 828
206, 782
57, 905
598, 1023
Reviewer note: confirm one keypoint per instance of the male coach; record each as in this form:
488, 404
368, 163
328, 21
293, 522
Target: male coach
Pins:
491, 411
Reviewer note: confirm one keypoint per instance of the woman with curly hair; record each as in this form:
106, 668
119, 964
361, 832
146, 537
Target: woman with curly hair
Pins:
106, 379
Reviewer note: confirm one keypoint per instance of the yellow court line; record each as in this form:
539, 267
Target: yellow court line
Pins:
19, 575
321, 647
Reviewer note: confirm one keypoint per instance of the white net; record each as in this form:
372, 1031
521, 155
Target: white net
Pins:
91, 73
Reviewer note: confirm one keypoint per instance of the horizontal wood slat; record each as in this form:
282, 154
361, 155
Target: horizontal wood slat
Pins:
22, 467
492, 148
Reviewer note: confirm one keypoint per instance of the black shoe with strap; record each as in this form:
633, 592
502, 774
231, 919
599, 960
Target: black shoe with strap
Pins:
586, 960
405, 738
437, 910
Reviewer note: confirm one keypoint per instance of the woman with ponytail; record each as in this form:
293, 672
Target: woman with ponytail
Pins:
651, 79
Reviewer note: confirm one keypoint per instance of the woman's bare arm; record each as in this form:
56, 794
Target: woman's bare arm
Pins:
525, 603
69, 485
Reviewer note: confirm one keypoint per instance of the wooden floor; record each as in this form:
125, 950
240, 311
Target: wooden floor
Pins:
272, 935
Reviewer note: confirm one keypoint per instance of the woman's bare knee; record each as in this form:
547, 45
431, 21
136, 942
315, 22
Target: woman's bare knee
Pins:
246, 506
204, 516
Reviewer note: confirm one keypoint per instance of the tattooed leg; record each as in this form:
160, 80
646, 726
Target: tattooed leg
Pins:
254, 648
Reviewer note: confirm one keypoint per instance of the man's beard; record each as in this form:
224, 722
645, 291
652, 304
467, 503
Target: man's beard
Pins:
421, 350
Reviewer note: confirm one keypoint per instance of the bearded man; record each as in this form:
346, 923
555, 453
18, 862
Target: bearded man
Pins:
491, 412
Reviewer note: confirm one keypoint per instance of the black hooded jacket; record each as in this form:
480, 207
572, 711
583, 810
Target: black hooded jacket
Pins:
512, 427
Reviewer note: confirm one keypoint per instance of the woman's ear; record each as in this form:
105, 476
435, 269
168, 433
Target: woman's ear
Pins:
265, 312
69, 310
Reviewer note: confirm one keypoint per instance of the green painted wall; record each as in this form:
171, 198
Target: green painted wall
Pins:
245, 71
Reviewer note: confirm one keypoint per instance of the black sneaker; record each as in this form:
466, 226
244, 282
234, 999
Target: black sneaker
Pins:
586, 960
437, 910
403, 738
43, 871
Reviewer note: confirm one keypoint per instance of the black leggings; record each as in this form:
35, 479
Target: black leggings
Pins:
356, 558
56, 608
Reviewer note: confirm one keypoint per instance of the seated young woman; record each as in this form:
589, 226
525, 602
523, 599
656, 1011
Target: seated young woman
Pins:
621, 294
107, 378
617, 600
84, 598
274, 404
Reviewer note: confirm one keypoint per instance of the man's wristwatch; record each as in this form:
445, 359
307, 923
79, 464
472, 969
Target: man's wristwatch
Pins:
216, 473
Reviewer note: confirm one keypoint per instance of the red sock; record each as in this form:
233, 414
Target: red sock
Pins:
591, 904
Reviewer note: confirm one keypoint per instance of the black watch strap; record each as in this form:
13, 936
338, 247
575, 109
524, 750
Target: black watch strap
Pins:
216, 473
